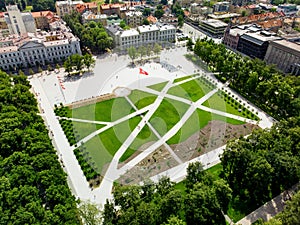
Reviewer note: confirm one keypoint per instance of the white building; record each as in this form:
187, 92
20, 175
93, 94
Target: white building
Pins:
146, 34
38, 49
17, 22
66, 7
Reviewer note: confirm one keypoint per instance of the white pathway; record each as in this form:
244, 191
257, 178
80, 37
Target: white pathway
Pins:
106, 81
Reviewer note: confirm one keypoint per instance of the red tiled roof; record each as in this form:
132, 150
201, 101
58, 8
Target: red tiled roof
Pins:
152, 19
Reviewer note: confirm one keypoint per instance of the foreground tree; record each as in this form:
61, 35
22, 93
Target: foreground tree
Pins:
90, 213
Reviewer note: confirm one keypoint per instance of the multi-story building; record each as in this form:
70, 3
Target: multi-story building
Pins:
285, 55
66, 7
232, 36
146, 34
4, 31
134, 18
89, 16
288, 9
43, 19
221, 7
17, 22
21, 51
255, 45
214, 28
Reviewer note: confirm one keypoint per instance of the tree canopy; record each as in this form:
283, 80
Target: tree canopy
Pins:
262, 84
33, 187
161, 203
92, 35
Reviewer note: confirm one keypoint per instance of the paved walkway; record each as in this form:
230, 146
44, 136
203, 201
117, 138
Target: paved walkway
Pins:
106, 79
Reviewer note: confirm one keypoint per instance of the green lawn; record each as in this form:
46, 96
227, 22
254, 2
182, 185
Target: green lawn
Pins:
114, 137
197, 121
182, 78
81, 129
167, 115
159, 86
145, 136
98, 153
103, 147
109, 110
141, 99
192, 90
231, 106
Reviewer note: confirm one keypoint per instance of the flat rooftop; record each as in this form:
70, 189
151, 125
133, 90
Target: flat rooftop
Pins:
214, 23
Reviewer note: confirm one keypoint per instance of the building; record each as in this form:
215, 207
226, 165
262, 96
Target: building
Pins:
285, 55
17, 22
257, 18
232, 36
43, 19
214, 28
29, 50
255, 45
134, 18
4, 31
288, 9
221, 7
66, 7
143, 35
87, 6
89, 16
242, 2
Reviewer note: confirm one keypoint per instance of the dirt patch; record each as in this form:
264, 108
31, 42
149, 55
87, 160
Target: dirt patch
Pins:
89, 101
157, 162
212, 136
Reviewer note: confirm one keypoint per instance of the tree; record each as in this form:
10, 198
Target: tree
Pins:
147, 12
202, 207
88, 61
164, 2
156, 49
223, 193
146, 22
174, 220
291, 213
132, 53
142, 51
89, 213
180, 20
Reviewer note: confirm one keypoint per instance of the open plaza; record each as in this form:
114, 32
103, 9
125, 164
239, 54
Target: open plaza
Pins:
125, 125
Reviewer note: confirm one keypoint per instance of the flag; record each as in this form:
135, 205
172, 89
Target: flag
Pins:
143, 72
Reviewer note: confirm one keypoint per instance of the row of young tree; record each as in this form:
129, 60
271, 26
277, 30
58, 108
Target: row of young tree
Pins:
74, 64
92, 35
264, 85
33, 187
202, 202
143, 51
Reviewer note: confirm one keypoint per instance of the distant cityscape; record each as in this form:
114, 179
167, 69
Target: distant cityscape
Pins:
256, 29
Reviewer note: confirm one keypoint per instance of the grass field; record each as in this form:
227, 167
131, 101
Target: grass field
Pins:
81, 129
196, 122
159, 86
230, 106
145, 136
108, 111
182, 78
192, 90
167, 115
141, 99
